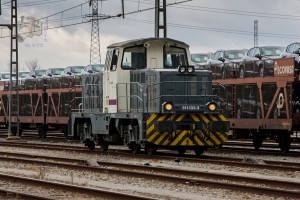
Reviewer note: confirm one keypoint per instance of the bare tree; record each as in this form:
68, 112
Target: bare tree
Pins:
32, 64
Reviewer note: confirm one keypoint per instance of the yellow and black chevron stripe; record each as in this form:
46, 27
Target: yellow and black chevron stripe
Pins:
198, 137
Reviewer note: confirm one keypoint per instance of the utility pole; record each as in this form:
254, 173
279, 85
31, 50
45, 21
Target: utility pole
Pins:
255, 33
13, 26
95, 56
160, 12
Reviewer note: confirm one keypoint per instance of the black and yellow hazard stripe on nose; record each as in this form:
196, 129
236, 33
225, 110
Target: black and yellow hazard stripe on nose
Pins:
200, 137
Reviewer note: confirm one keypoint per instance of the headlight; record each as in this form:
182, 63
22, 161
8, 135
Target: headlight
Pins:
168, 106
190, 69
212, 106
181, 69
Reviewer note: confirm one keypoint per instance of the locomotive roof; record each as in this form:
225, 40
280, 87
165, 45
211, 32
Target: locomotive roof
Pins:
143, 40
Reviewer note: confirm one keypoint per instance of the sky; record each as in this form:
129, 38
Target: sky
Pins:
206, 25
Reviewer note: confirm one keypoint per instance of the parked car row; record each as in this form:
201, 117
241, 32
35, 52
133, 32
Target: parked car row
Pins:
256, 61
54, 72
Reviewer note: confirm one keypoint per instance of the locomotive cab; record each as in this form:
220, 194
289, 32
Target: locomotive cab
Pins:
138, 56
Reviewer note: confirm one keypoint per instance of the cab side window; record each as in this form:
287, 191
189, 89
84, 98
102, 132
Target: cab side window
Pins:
114, 60
108, 59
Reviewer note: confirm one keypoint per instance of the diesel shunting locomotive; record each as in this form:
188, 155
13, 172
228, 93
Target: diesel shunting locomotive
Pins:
149, 97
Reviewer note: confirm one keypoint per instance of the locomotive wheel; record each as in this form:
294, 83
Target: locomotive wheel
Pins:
181, 150
199, 151
135, 148
150, 149
103, 146
91, 145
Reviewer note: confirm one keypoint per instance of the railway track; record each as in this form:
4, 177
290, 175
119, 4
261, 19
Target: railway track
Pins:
248, 184
268, 148
238, 162
251, 151
249, 144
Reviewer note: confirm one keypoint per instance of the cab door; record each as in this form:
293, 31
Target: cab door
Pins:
110, 81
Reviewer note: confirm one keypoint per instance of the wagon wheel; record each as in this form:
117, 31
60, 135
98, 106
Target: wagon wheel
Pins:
64, 130
135, 148
199, 151
14, 131
181, 150
285, 142
257, 140
42, 131
150, 148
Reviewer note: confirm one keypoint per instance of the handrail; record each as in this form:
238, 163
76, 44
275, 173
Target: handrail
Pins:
139, 99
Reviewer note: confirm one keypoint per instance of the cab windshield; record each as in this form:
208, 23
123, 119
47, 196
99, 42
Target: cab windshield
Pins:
134, 58
174, 57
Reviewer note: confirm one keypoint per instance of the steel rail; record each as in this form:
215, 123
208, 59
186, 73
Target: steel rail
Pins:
73, 188
9, 194
271, 165
264, 145
287, 188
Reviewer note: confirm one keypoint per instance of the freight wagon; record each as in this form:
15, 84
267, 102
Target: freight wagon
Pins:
264, 102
